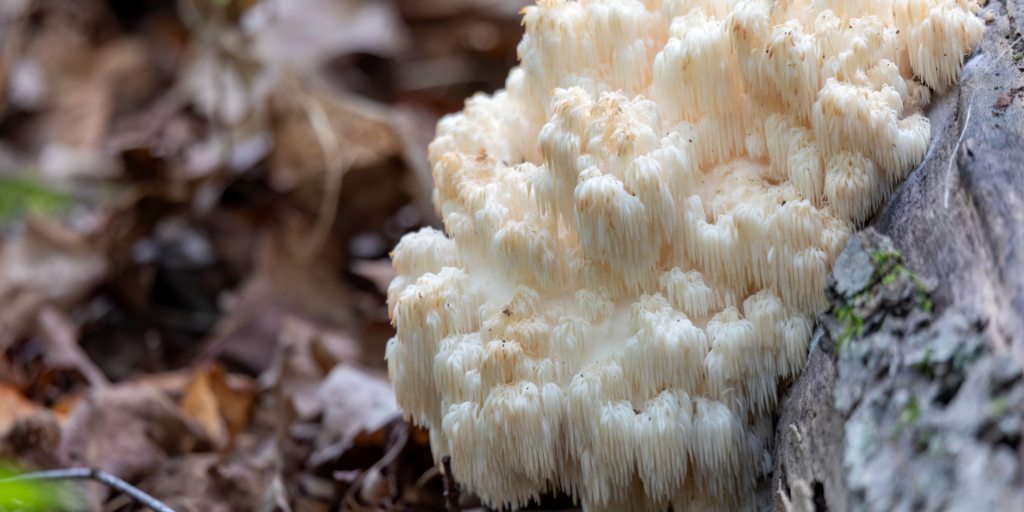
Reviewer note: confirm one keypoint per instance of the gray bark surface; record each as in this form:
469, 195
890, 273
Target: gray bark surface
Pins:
975, 245
912, 397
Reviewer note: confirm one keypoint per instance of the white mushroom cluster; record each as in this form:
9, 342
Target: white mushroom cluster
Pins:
639, 230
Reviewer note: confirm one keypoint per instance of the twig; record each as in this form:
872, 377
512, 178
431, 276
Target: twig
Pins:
451, 491
336, 165
349, 501
949, 167
429, 475
99, 476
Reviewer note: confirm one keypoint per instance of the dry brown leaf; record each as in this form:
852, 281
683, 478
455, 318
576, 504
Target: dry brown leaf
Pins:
200, 405
221, 408
311, 288
127, 430
326, 347
298, 156
284, 284
172, 384
33, 440
64, 405
185, 484
13, 406
355, 401
300, 374
62, 348
235, 397
84, 86
47, 264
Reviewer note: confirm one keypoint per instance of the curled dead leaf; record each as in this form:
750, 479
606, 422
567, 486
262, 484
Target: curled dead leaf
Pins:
222, 409
355, 401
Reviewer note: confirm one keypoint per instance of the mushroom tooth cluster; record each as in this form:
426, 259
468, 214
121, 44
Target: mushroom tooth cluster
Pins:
638, 232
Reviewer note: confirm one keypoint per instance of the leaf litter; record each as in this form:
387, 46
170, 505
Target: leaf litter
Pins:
197, 199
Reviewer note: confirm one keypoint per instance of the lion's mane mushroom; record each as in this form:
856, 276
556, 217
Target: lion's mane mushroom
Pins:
639, 231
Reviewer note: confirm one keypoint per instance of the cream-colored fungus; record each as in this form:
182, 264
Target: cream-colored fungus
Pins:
639, 232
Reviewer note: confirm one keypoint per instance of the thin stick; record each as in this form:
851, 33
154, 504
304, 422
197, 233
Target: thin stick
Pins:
451, 491
99, 476
336, 167
349, 501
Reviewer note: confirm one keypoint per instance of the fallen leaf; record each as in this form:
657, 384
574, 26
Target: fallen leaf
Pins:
127, 430
235, 397
301, 34
354, 401
221, 408
62, 348
47, 264
13, 406
327, 347
246, 336
34, 439
243, 479
85, 85
307, 284
172, 384
184, 483
300, 374
298, 156
200, 404
287, 286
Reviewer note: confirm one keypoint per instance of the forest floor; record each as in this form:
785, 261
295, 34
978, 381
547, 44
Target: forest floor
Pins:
197, 200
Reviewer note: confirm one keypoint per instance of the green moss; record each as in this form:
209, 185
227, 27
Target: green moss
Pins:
888, 275
881, 258
853, 324
888, 267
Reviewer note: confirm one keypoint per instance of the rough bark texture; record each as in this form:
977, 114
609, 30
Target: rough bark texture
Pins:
974, 244
921, 405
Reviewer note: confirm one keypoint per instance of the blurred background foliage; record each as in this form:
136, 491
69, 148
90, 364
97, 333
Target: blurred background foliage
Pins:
197, 201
